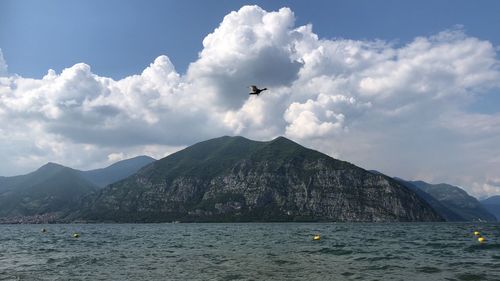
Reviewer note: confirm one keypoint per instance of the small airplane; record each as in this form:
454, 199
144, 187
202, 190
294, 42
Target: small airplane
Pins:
255, 90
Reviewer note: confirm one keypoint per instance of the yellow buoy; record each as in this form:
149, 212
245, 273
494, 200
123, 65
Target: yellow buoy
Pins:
76, 235
481, 239
477, 233
316, 237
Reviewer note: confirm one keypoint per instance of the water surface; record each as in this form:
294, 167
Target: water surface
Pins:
253, 251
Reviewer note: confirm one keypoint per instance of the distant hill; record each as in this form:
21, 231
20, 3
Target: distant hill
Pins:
437, 205
456, 200
237, 179
53, 190
117, 171
492, 204
43, 195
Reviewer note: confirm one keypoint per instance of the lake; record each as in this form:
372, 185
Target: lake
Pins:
250, 251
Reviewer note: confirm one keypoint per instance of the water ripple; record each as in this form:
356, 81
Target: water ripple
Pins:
254, 251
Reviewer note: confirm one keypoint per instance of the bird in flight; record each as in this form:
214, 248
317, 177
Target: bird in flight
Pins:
256, 91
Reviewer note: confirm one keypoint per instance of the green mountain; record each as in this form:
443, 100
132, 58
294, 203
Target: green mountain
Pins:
42, 196
456, 200
116, 171
236, 179
492, 204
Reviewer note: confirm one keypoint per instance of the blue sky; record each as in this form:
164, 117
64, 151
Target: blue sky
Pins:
409, 88
120, 38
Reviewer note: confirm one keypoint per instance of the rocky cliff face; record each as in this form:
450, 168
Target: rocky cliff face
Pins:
236, 179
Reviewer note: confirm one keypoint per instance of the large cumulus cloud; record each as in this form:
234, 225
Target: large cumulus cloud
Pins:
402, 109
250, 45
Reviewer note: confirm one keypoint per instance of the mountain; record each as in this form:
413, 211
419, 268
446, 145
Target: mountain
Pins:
43, 195
117, 171
52, 191
439, 207
456, 200
492, 204
237, 179
492, 200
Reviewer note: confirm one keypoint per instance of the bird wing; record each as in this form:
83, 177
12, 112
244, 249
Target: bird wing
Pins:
254, 88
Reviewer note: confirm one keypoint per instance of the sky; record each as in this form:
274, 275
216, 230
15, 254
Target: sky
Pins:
411, 89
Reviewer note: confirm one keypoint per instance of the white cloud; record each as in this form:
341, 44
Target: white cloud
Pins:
316, 118
485, 189
250, 46
399, 109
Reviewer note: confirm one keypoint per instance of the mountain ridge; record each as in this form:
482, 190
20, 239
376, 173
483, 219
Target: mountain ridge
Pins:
50, 192
212, 179
456, 200
116, 171
492, 204
237, 179
442, 209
